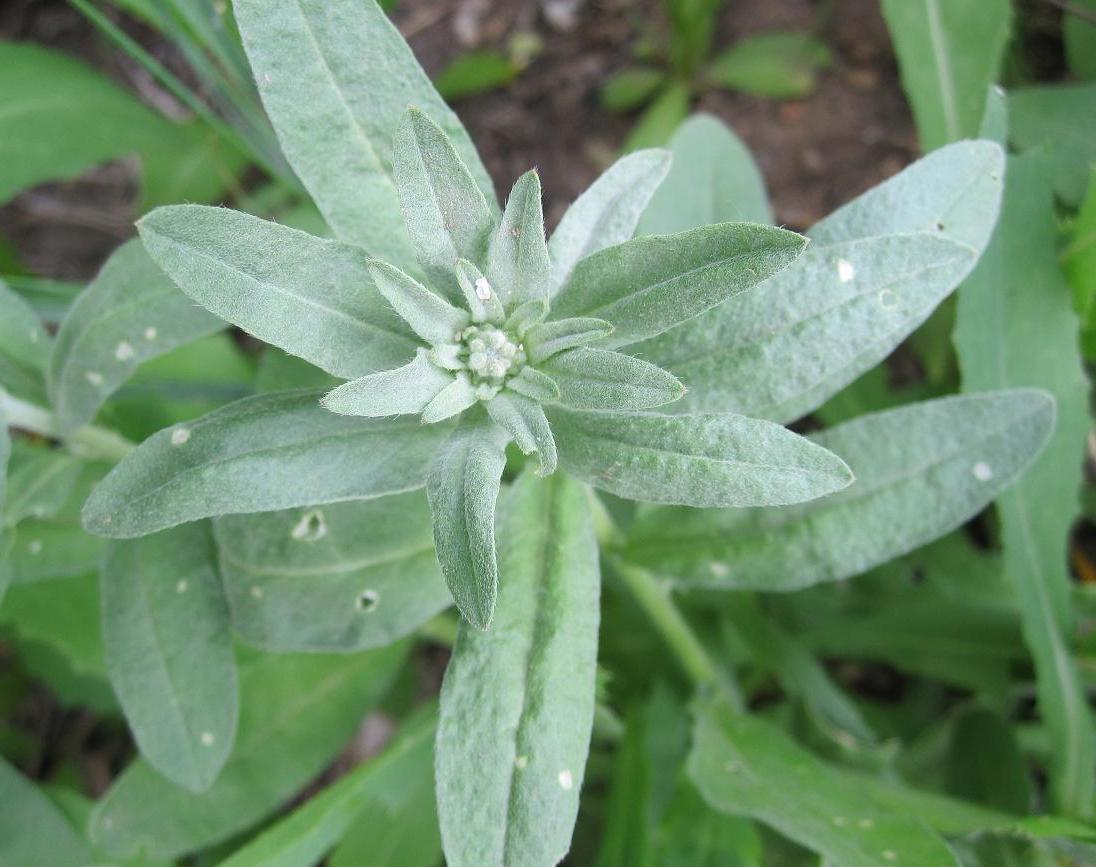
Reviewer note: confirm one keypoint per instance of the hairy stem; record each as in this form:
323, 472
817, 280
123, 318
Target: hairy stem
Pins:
90, 441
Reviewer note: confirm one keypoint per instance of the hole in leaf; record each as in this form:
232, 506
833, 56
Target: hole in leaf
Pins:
311, 527
368, 601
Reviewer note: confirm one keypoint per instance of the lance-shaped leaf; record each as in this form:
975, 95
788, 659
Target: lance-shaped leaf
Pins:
262, 453
696, 460
510, 759
129, 314
546, 339
342, 67
1016, 301
407, 389
447, 215
612, 381
302, 708
646, 286
452, 400
39, 482
33, 829
740, 350
949, 54
747, 767
479, 295
431, 317
850, 303
921, 471
169, 651
532, 383
607, 213
463, 485
517, 257
312, 297
24, 347
714, 179
387, 785
343, 577
525, 421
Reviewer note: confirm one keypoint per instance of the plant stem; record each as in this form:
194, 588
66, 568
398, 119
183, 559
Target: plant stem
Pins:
89, 441
656, 601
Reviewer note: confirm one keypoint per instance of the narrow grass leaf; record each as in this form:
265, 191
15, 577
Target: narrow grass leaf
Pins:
510, 760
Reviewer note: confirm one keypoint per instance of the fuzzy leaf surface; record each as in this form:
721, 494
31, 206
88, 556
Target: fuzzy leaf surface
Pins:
713, 179
607, 213
262, 453
312, 297
646, 286
698, 460
601, 379
462, 486
525, 421
130, 313
510, 759
405, 390
299, 708
342, 68
921, 471
336, 578
24, 347
169, 651
517, 258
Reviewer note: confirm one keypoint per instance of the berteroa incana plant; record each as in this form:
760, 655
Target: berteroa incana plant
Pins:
657, 368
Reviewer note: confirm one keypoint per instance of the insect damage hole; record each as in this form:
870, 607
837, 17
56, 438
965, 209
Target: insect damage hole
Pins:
888, 299
311, 527
367, 601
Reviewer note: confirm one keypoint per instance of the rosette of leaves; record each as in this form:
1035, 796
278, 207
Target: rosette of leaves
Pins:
488, 337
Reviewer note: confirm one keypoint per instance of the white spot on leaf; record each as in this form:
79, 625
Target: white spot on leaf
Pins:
150, 333
888, 299
719, 570
866, 824
124, 351
840, 821
35, 546
845, 271
483, 289
182, 586
368, 600
179, 436
207, 739
256, 591
566, 781
983, 472
521, 762
888, 855
311, 527
94, 377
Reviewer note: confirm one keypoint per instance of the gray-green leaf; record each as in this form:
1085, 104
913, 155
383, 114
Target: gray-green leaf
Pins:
525, 421
462, 485
921, 471
607, 213
446, 213
24, 346
605, 380
431, 317
311, 297
517, 258
695, 460
407, 389
548, 338
342, 577
131, 312
510, 758
169, 651
33, 830
263, 453
336, 78
646, 286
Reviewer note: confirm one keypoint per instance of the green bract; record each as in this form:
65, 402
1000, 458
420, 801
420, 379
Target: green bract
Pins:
488, 336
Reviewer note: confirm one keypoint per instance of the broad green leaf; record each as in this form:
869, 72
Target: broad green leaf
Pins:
746, 354
607, 213
772, 65
39, 482
262, 453
510, 759
24, 347
447, 215
296, 712
462, 486
657, 124
1059, 116
713, 179
695, 460
385, 784
525, 421
921, 471
475, 72
548, 338
407, 389
517, 256
949, 52
605, 380
343, 68
631, 87
32, 829
646, 286
169, 651
746, 767
129, 314
309, 296
1015, 327
61, 117
348, 576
